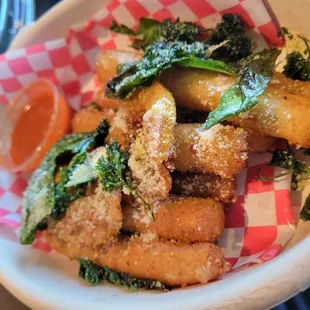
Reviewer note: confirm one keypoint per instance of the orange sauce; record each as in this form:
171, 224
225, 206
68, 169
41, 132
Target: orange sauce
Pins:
32, 128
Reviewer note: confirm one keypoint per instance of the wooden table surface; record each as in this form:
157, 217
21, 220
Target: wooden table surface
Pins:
9, 302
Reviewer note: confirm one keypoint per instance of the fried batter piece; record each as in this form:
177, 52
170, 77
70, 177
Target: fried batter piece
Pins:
221, 150
147, 256
258, 143
153, 111
106, 68
91, 220
185, 219
144, 125
88, 118
104, 102
279, 113
204, 185
153, 179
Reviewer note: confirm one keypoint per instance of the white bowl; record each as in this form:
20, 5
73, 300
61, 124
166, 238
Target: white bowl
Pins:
50, 282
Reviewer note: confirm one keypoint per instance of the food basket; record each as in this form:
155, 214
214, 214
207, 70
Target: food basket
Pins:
42, 284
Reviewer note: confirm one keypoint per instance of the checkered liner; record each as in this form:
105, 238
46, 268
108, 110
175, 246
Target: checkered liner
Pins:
260, 222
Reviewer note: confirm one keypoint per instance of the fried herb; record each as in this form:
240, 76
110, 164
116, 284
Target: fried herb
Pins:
41, 194
65, 195
231, 29
286, 159
121, 29
305, 211
287, 33
112, 172
297, 66
251, 82
95, 274
158, 57
150, 31
179, 43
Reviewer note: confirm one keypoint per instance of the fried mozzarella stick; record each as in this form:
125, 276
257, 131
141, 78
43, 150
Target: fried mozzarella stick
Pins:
106, 68
221, 150
146, 256
89, 118
204, 185
153, 179
108, 61
280, 112
258, 143
185, 219
153, 111
91, 220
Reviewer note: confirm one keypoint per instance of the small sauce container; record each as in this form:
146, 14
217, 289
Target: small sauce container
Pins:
35, 119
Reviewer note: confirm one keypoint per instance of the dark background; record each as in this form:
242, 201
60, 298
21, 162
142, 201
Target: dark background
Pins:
39, 7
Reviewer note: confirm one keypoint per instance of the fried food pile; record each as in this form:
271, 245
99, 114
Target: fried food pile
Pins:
184, 173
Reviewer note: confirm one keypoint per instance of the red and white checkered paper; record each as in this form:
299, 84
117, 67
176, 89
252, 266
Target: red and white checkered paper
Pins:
260, 222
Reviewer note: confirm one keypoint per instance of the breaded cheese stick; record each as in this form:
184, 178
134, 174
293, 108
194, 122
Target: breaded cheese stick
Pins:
185, 219
91, 220
106, 68
146, 256
88, 119
204, 185
153, 179
151, 110
280, 112
257, 142
108, 61
221, 150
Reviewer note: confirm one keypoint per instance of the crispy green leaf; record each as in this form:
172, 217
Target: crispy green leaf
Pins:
95, 274
286, 159
231, 29
297, 66
157, 58
305, 211
39, 199
121, 29
207, 64
112, 169
251, 82
112, 172
64, 194
41, 195
150, 31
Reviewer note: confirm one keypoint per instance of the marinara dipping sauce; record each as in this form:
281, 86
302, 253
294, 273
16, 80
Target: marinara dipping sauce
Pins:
37, 118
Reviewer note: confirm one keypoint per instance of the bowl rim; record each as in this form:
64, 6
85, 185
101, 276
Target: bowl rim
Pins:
264, 289
268, 287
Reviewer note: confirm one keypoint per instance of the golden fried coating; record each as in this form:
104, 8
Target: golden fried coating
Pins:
106, 69
146, 256
153, 179
107, 63
90, 221
204, 185
153, 111
279, 113
144, 125
196, 89
258, 143
221, 150
87, 119
104, 102
185, 219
